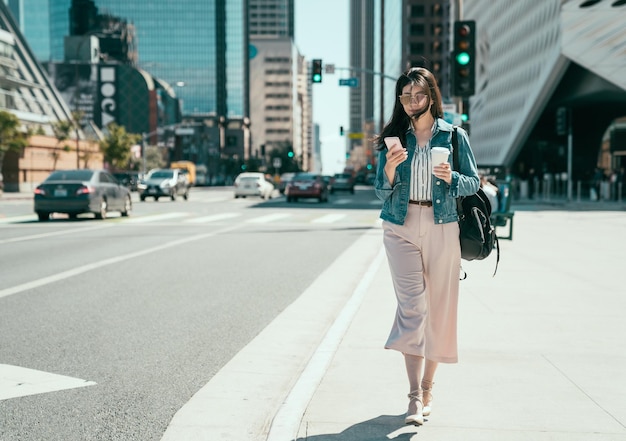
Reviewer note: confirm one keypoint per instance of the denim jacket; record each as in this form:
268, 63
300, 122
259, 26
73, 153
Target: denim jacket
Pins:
464, 182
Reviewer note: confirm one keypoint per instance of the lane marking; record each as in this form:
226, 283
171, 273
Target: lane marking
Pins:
51, 234
18, 381
329, 218
286, 423
269, 218
95, 265
213, 218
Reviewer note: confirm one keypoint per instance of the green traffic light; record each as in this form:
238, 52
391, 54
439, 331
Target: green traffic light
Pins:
317, 78
290, 154
464, 117
463, 58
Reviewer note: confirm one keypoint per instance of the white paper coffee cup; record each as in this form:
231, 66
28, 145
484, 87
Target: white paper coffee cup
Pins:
439, 155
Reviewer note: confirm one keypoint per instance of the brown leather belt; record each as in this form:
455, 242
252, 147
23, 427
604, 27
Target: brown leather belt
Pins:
422, 203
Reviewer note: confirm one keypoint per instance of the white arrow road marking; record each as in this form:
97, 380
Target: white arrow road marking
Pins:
17, 381
53, 233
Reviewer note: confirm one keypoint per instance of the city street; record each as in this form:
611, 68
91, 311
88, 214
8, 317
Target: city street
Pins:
141, 312
174, 323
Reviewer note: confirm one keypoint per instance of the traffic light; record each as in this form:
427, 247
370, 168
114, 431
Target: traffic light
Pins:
464, 58
316, 71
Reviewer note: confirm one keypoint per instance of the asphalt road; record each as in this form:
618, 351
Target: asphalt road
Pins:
107, 328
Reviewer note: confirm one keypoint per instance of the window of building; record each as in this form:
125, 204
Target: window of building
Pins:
417, 48
417, 29
416, 11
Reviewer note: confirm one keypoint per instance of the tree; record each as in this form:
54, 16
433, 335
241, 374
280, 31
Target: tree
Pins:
115, 147
12, 139
61, 131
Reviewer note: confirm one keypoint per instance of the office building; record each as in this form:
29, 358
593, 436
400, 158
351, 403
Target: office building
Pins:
280, 88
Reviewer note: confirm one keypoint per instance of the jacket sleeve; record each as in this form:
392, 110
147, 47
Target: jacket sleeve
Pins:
465, 181
382, 187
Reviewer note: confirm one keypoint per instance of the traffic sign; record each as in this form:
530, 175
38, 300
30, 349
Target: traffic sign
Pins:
350, 82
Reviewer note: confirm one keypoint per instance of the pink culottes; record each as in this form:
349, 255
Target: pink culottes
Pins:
425, 263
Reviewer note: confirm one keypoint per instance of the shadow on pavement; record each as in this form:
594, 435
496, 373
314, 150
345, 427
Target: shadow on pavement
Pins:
384, 427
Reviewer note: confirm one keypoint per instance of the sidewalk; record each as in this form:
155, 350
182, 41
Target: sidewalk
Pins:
542, 350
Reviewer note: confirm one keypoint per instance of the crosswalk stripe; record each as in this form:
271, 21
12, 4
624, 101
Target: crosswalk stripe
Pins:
329, 218
157, 217
269, 218
213, 218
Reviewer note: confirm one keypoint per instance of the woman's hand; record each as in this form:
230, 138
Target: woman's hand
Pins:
396, 155
443, 171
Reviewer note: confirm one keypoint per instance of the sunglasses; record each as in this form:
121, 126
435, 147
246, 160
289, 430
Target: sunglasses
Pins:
406, 99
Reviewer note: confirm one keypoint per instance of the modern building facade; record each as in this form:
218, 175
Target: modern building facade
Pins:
202, 44
280, 89
27, 92
535, 57
197, 49
272, 18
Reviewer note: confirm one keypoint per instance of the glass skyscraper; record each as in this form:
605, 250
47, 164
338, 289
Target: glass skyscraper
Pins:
198, 46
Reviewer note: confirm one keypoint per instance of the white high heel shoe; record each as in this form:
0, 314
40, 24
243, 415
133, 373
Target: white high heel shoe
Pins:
414, 414
427, 396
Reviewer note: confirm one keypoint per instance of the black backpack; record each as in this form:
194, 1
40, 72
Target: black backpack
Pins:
478, 236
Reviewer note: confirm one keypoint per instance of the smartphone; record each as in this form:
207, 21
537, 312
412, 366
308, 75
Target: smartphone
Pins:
391, 141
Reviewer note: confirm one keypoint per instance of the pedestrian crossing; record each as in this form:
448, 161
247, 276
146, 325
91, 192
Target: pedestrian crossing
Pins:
276, 218
313, 217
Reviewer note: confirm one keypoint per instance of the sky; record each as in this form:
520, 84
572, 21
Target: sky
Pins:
322, 29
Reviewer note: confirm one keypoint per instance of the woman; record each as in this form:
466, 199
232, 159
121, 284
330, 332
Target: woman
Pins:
421, 232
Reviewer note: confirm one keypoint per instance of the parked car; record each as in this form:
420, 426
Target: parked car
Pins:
342, 182
81, 191
307, 185
253, 184
164, 182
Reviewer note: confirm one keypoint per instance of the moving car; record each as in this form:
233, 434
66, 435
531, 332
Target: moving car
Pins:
81, 191
253, 184
307, 185
342, 182
164, 182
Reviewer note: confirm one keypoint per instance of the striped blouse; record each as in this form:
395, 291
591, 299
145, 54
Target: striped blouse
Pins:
422, 173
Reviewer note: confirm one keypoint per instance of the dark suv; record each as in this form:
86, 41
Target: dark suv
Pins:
164, 182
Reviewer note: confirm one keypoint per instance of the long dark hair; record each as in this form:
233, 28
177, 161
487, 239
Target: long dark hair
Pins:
400, 121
